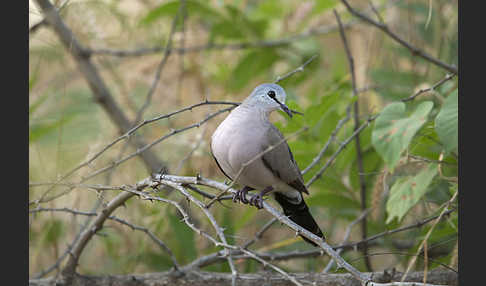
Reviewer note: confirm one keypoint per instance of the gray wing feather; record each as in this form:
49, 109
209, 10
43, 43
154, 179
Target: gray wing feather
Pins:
281, 161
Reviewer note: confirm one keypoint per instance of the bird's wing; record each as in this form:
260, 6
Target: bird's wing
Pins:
217, 163
280, 160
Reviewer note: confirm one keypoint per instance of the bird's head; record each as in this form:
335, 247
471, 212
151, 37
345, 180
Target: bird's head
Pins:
269, 97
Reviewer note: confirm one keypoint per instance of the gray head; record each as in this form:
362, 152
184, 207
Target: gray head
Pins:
269, 97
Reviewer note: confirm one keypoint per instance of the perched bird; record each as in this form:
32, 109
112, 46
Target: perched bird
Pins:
237, 146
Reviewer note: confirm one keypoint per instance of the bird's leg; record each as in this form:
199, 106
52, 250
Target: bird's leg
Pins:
240, 195
257, 200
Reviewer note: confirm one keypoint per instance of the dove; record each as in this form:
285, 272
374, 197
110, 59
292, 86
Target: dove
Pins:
251, 151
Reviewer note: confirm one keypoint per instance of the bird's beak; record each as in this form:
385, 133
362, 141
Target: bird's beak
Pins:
286, 109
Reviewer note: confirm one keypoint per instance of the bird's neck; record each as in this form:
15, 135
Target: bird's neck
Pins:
253, 113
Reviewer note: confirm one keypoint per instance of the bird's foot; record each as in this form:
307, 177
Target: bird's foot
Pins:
241, 195
257, 200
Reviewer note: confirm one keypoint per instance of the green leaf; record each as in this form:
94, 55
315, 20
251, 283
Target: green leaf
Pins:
394, 130
193, 8
251, 65
446, 123
406, 192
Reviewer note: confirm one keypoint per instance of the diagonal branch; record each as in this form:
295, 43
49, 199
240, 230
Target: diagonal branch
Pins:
100, 91
359, 154
282, 218
339, 150
415, 51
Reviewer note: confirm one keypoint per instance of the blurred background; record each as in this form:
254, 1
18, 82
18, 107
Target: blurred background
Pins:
238, 45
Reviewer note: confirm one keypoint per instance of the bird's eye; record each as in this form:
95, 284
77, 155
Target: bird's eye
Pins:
271, 93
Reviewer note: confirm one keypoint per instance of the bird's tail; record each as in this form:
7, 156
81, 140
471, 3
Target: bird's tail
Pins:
299, 213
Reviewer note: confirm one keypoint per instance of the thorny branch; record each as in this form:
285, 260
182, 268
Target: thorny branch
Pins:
184, 181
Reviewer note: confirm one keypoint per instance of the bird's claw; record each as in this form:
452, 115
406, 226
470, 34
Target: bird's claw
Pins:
241, 196
257, 201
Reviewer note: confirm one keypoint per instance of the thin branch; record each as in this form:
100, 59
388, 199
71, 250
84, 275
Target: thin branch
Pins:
359, 154
299, 69
259, 234
212, 258
436, 221
152, 236
340, 148
146, 147
282, 218
165, 57
375, 11
424, 90
321, 30
331, 139
87, 234
98, 87
216, 227
268, 43
100, 91
346, 237
415, 51
399, 229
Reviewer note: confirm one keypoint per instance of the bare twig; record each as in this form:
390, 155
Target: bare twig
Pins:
321, 153
346, 237
415, 51
436, 221
161, 65
216, 227
321, 30
299, 69
259, 233
268, 43
282, 218
373, 8
146, 147
88, 233
152, 236
424, 90
97, 85
359, 154
340, 148
399, 229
